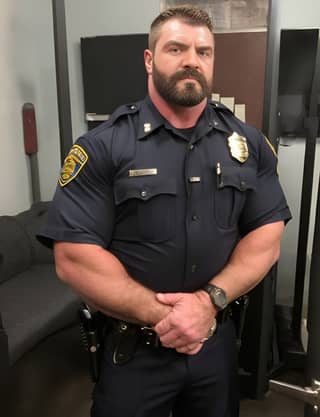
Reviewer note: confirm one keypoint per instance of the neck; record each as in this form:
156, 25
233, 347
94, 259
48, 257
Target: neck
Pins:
178, 116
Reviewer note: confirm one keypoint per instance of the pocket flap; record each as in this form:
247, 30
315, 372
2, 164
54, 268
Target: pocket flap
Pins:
142, 188
242, 178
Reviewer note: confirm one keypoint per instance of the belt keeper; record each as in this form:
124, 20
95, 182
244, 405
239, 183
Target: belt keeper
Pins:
151, 337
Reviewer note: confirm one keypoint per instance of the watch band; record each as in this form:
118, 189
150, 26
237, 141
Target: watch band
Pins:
217, 296
211, 331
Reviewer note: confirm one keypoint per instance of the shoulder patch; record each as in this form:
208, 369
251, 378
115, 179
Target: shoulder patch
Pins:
273, 152
73, 164
271, 147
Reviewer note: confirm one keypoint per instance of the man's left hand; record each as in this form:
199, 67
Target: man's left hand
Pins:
188, 323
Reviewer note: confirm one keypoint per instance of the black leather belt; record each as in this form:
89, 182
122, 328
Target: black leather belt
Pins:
127, 336
145, 335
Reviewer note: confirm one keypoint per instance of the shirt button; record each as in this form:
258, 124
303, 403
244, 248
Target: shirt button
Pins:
194, 268
191, 146
195, 217
242, 185
144, 193
133, 107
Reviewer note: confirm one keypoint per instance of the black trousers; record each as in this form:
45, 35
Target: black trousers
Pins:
157, 381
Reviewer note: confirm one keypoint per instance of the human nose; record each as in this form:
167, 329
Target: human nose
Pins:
191, 59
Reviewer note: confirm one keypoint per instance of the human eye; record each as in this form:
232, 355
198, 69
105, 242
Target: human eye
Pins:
174, 50
205, 53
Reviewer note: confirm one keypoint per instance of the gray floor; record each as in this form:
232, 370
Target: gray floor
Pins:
53, 381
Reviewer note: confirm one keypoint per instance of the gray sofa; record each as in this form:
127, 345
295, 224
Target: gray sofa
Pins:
33, 302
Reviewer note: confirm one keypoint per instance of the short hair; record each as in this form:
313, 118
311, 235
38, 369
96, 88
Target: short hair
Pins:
189, 14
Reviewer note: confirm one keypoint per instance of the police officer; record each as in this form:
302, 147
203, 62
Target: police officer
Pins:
162, 216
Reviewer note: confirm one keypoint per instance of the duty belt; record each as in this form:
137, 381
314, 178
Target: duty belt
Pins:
128, 336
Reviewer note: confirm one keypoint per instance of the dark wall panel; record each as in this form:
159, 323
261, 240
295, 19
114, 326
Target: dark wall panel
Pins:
113, 71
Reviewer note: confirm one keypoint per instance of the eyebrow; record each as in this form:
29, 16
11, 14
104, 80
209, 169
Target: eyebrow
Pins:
184, 46
175, 43
205, 48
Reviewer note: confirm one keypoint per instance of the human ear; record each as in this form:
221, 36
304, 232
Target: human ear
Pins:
148, 58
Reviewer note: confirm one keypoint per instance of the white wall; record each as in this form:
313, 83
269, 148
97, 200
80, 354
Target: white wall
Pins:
26, 75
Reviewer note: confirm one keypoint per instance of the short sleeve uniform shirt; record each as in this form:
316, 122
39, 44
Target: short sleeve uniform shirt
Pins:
170, 206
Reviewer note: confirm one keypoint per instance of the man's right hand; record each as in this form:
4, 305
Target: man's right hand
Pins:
188, 323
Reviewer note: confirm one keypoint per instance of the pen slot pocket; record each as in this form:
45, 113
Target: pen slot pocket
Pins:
233, 184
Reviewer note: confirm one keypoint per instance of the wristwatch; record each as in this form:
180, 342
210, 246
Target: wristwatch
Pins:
217, 296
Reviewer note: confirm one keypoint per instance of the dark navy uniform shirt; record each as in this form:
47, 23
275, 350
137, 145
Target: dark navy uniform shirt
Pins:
170, 206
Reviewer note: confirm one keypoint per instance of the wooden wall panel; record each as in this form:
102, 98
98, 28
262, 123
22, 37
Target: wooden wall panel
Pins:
240, 60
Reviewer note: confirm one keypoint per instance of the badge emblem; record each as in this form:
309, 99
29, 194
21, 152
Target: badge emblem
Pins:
238, 147
73, 163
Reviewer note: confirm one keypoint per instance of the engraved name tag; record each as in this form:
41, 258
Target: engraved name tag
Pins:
142, 172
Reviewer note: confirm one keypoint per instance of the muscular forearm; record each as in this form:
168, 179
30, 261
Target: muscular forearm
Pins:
251, 260
192, 314
100, 278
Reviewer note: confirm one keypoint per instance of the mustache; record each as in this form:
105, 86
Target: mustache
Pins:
188, 73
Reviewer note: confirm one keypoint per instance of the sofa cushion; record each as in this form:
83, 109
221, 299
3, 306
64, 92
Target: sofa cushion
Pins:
4, 359
33, 221
15, 248
35, 304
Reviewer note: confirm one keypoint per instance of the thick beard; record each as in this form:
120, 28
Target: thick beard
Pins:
189, 95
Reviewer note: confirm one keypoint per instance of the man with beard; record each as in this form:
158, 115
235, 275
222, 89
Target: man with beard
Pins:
172, 210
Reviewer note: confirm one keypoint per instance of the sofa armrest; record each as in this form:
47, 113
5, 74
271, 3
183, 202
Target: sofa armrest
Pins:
4, 359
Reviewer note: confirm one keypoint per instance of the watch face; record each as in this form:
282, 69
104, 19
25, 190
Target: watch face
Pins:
219, 297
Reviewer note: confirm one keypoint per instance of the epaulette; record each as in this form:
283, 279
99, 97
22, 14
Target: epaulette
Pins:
124, 110
219, 106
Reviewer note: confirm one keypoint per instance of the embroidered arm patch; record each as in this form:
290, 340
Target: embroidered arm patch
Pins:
73, 164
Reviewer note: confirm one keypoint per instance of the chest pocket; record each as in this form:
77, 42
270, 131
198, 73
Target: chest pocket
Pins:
233, 185
145, 208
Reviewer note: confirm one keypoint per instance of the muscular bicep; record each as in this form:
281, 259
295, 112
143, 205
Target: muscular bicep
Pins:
266, 203
260, 248
99, 277
251, 260
82, 261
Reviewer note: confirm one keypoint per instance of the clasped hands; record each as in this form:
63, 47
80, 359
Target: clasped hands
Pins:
187, 325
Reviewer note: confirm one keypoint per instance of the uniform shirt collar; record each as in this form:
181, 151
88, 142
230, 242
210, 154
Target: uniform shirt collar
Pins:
151, 119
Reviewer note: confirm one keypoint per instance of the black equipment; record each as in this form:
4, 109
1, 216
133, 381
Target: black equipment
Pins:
239, 311
92, 328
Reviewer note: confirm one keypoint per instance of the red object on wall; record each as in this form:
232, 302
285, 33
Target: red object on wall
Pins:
29, 129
